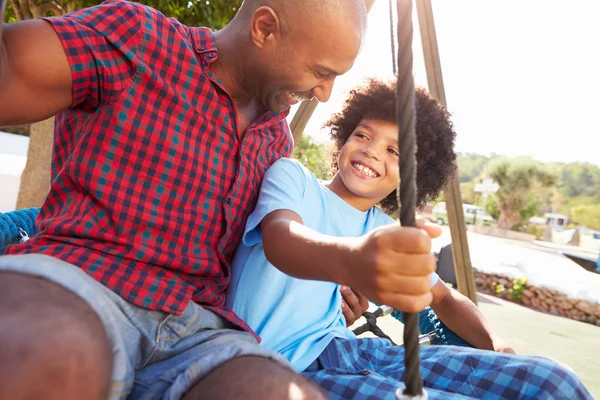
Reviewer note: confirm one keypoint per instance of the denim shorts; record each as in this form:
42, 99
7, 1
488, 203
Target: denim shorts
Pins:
156, 355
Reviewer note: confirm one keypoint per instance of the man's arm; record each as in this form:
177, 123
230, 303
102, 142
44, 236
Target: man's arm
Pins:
464, 318
35, 77
390, 265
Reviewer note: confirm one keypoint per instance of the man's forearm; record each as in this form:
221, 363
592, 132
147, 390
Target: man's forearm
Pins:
304, 253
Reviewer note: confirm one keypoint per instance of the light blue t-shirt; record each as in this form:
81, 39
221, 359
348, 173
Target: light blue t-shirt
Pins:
295, 317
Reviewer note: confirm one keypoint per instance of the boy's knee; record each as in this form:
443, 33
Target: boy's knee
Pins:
51, 342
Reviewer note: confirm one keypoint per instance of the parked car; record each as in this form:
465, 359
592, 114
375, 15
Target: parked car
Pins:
473, 214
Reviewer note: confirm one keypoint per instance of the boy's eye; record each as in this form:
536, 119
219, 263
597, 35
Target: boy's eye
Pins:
393, 151
360, 135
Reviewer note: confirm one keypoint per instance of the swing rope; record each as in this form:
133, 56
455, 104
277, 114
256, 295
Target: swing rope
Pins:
406, 195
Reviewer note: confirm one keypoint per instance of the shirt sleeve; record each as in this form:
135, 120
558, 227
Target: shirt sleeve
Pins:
282, 189
101, 45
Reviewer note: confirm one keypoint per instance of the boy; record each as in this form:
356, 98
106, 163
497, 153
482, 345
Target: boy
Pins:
323, 233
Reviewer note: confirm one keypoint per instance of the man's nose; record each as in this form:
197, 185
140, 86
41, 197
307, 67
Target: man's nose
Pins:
323, 91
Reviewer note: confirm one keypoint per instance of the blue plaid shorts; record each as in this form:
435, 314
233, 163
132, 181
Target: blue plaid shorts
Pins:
374, 369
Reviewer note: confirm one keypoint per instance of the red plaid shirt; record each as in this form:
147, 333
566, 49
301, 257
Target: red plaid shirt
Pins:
152, 183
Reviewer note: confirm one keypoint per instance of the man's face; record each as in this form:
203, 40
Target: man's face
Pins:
305, 63
368, 162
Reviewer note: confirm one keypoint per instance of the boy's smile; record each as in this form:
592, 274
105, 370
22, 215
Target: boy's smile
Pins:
363, 170
368, 164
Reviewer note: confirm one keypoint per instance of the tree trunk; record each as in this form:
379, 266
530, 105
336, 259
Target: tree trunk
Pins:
508, 218
35, 180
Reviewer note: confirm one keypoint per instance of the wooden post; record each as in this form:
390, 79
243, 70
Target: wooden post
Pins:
35, 179
307, 108
302, 117
456, 219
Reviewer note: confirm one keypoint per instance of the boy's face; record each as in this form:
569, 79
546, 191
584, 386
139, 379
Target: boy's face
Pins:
368, 162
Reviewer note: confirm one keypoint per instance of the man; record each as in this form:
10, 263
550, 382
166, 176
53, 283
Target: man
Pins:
163, 133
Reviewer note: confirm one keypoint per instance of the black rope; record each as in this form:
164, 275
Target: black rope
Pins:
405, 113
371, 325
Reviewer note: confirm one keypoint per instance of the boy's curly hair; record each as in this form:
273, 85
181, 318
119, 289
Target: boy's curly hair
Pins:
376, 100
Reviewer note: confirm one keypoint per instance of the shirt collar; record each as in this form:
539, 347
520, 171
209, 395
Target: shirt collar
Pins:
204, 43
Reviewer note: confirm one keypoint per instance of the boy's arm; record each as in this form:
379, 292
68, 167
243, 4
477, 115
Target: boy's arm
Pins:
35, 77
463, 317
390, 265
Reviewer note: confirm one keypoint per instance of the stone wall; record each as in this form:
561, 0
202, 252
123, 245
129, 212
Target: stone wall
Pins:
541, 299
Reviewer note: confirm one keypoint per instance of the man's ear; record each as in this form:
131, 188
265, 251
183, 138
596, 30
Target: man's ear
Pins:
265, 27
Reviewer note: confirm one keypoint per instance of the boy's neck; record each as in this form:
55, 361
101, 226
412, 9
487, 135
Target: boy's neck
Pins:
336, 185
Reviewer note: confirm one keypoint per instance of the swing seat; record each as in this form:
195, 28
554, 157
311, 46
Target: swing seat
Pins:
16, 225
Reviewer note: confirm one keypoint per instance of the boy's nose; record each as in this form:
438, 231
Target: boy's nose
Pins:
371, 152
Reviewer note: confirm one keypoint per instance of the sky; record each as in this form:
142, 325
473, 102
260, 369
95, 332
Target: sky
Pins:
522, 78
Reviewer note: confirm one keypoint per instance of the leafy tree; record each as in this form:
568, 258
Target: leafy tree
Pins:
517, 178
579, 180
491, 207
313, 156
587, 215
468, 194
213, 13
470, 166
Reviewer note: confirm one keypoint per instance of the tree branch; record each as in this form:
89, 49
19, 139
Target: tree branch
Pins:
53, 7
25, 11
35, 9
16, 10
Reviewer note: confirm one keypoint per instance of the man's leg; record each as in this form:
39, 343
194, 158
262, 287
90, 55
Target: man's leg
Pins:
253, 377
52, 344
199, 355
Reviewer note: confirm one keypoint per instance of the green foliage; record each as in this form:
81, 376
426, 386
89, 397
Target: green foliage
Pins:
517, 178
529, 208
518, 285
9, 14
576, 192
470, 166
213, 13
514, 291
313, 156
587, 215
498, 288
579, 180
468, 194
491, 207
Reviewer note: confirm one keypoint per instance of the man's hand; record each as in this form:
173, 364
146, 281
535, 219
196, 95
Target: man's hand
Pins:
354, 305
